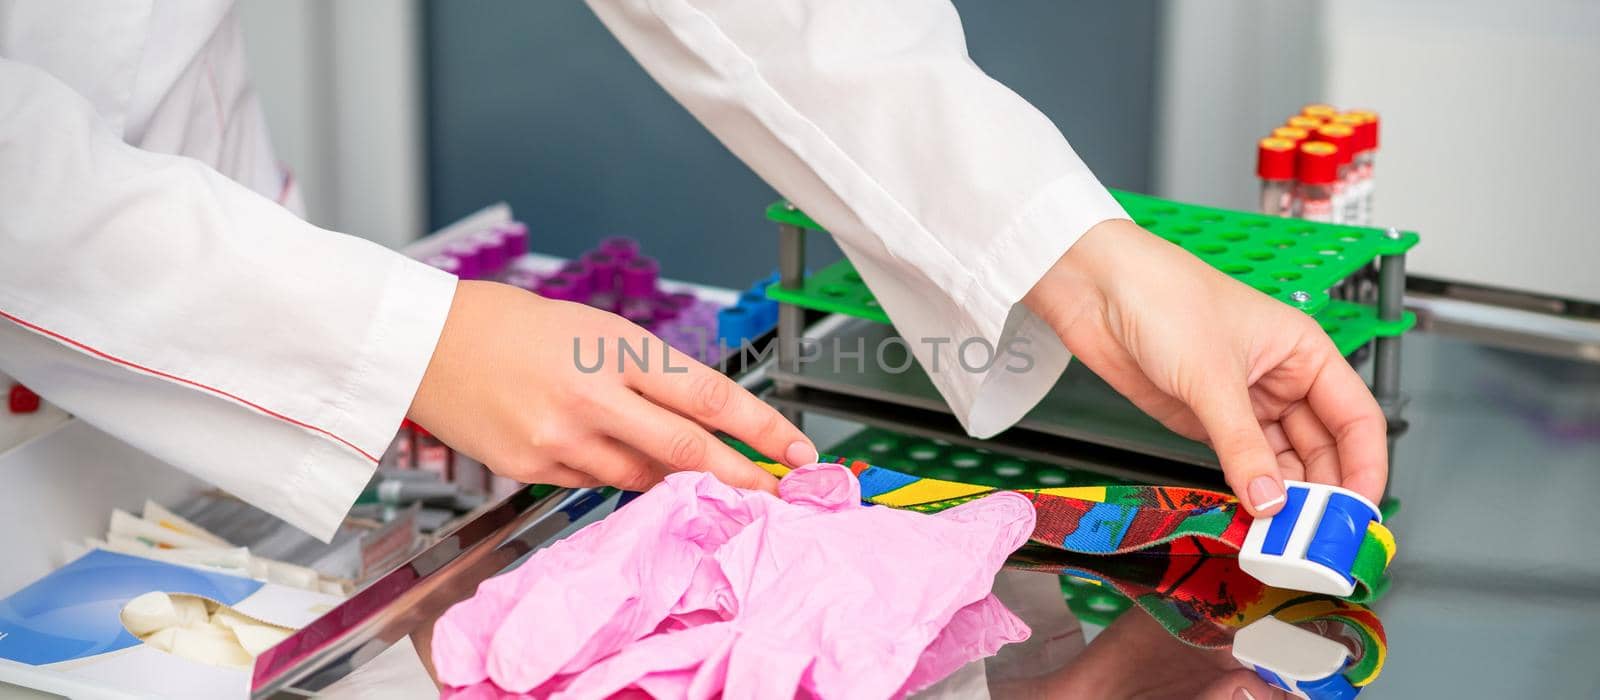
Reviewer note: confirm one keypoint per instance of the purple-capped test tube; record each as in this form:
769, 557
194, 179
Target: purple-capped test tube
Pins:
620, 247
602, 271
491, 252
638, 277
580, 284
559, 289
470, 253
448, 263
513, 239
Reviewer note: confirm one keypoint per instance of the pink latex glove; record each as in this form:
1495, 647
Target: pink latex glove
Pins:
815, 593
840, 600
577, 596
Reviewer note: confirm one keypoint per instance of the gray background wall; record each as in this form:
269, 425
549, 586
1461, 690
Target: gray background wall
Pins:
536, 104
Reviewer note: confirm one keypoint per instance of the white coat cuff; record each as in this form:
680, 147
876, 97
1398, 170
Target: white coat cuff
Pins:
400, 342
989, 402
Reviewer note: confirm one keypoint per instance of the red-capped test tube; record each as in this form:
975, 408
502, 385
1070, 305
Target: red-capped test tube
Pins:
430, 453
1365, 158
1343, 138
1275, 166
1292, 133
1321, 111
1301, 121
1316, 173
401, 453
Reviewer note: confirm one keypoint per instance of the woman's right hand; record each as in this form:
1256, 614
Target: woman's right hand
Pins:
505, 387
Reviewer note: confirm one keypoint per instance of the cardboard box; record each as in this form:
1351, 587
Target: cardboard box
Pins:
65, 630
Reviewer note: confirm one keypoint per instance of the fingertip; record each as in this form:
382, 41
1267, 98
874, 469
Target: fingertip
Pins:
1370, 488
760, 481
1264, 495
801, 453
741, 473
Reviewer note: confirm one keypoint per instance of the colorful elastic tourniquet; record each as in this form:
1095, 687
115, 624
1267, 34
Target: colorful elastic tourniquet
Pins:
1179, 548
1200, 595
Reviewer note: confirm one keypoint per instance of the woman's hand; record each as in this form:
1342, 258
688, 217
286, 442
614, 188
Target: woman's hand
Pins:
1217, 361
505, 387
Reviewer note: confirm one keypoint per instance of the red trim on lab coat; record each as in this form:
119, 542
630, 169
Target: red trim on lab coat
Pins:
181, 380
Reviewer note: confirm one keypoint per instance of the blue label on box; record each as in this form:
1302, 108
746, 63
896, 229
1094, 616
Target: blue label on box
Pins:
76, 611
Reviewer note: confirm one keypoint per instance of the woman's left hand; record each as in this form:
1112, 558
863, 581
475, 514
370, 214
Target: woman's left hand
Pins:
1216, 361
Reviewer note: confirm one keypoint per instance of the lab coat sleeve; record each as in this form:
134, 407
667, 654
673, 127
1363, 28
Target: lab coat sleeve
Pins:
196, 320
950, 193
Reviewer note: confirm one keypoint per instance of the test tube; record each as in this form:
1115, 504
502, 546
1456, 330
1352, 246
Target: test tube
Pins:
448, 263
1275, 166
1320, 111
1366, 157
558, 288
401, 492
638, 278
401, 453
602, 280
491, 252
1355, 193
513, 239
1316, 172
1343, 138
470, 253
602, 271
432, 455
580, 284
1366, 144
1301, 121
621, 248
1292, 133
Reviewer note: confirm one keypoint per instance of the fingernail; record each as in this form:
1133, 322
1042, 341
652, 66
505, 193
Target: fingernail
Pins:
1242, 694
1265, 492
800, 453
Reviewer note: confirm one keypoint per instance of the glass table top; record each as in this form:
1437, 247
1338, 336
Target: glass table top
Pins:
1496, 585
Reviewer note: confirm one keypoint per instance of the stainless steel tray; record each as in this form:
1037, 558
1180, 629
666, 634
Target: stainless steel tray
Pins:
415, 594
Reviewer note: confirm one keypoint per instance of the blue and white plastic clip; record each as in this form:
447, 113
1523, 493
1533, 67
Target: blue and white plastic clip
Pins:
1311, 544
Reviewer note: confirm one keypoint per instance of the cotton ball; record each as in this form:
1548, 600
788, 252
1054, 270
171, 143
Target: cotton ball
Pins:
259, 638
209, 645
149, 612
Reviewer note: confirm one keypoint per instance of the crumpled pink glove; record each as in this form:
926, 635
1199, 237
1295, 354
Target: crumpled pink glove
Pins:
576, 596
744, 594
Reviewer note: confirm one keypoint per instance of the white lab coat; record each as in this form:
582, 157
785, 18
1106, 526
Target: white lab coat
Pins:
192, 316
